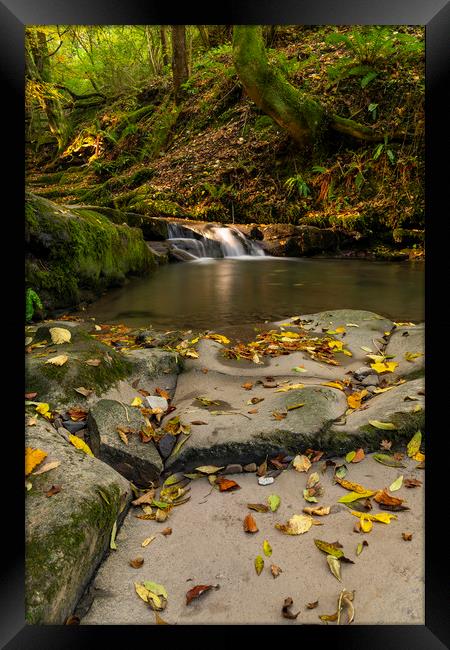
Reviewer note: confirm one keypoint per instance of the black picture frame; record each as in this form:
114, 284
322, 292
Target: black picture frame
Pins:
435, 15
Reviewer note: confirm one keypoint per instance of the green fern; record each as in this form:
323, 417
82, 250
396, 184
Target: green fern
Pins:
32, 300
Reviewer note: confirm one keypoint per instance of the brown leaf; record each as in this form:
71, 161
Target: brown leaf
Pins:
226, 485
259, 507
136, 382
250, 524
137, 562
358, 456
279, 415
205, 370
276, 463
84, 391
166, 531
262, 469
256, 400
198, 422
93, 362
407, 536
312, 605
122, 436
388, 502
143, 392
385, 444
144, 498
197, 591
72, 620
248, 385
275, 570
252, 411
162, 393
53, 490
411, 482
77, 414
30, 395
286, 609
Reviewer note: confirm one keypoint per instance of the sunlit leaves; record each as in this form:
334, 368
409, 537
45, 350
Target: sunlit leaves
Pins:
414, 444
259, 564
296, 525
33, 457
386, 366
60, 335
80, 444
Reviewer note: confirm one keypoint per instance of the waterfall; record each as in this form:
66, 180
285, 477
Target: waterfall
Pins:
212, 241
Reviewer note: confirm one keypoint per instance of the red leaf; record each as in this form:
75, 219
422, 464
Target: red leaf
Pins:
226, 484
197, 591
30, 395
358, 456
250, 524
53, 490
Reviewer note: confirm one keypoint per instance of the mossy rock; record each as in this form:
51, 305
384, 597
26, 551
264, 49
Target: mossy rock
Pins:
76, 253
68, 534
56, 384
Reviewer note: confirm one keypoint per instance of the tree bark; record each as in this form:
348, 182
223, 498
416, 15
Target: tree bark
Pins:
179, 60
302, 117
162, 33
204, 35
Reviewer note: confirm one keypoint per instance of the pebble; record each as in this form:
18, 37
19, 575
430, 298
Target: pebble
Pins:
251, 467
166, 444
232, 469
266, 480
156, 402
370, 380
371, 389
74, 427
362, 372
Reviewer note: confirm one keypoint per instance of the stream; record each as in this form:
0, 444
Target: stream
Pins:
209, 293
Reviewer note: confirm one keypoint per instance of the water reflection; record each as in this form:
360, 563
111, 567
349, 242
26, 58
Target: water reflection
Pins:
211, 293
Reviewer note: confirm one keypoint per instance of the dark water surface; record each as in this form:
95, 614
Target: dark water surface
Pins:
210, 293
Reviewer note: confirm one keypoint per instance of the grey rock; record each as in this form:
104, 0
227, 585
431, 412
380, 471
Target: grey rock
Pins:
149, 363
64, 433
138, 462
371, 389
233, 468
74, 427
399, 345
370, 380
362, 373
166, 444
157, 402
68, 534
251, 467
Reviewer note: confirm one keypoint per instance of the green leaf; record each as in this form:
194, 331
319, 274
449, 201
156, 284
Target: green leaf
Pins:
414, 444
390, 461
299, 369
350, 456
160, 504
155, 588
365, 81
335, 566
103, 495
397, 484
353, 496
340, 471
377, 152
307, 497
274, 502
329, 549
259, 564
390, 155
112, 543
267, 548
386, 426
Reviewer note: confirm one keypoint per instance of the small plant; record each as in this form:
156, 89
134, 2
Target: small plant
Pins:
32, 301
373, 108
384, 147
296, 184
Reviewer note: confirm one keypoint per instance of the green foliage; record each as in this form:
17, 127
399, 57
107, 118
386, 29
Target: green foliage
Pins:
32, 301
296, 185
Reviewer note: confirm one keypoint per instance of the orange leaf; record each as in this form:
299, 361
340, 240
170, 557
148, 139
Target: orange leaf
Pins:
226, 484
250, 524
358, 456
32, 458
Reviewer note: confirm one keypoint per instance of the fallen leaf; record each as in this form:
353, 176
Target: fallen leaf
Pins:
279, 415
354, 400
350, 456
44, 409
53, 490
387, 366
31, 422
220, 338
301, 463
365, 523
419, 456
47, 467
60, 360
292, 407
155, 588
32, 458
360, 547
390, 461
340, 471
159, 620
162, 393
335, 566
385, 499
137, 562
313, 479
259, 564
267, 549
93, 362
275, 570
122, 435
262, 469
332, 549
197, 591
359, 455
382, 517
258, 507
296, 525
166, 532
308, 495
227, 485
112, 541
334, 384
60, 335
209, 469
299, 369
84, 391
147, 497
80, 444
385, 444
250, 524
198, 422
414, 444
353, 496
317, 510
353, 487
274, 502
407, 536
137, 401
148, 540
285, 389
396, 485
412, 482
248, 385
286, 609
411, 356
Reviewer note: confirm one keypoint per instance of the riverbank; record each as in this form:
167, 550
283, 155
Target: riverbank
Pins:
148, 406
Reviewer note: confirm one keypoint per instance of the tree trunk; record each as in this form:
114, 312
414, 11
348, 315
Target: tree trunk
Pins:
294, 111
162, 33
204, 35
302, 117
179, 60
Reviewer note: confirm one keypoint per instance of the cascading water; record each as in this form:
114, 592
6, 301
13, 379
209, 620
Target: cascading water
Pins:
212, 241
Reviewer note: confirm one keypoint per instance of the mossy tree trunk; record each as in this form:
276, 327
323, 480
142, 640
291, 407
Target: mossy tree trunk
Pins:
38, 70
163, 36
179, 60
302, 117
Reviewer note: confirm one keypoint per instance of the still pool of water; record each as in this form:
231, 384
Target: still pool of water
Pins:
210, 293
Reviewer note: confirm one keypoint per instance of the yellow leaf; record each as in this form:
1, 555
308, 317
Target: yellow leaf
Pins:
336, 344
388, 366
60, 335
352, 496
267, 548
354, 487
136, 402
354, 400
387, 426
318, 510
44, 409
32, 458
220, 338
59, 360
383, 517
259, 564
301, 463
366, 523
419, 457
382, 390
285, 389
348, 353
297, 525
410, 356
414, 444
80, 444
340, 330
148, 540
334, 384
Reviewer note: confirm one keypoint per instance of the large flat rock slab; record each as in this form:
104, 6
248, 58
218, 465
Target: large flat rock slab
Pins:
139, 462
234, 435
68, 533
392, 406
209, 546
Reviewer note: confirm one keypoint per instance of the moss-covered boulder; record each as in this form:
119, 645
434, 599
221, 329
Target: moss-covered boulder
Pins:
74, 254
68, 533
56, 384
153, 228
